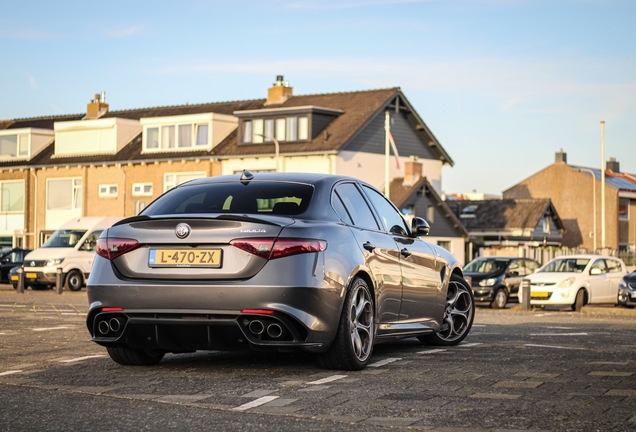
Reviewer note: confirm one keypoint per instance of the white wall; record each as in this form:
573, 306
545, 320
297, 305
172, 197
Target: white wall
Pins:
9, 222
321, 164
55, 218
100, 136
457, 246
370, 168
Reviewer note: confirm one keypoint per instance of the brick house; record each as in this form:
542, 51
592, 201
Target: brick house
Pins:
113, 163
573, 189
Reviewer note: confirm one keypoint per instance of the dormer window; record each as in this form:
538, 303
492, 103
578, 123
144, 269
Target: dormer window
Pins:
12, 146
283, 124
186, 132
23, 143
258, 131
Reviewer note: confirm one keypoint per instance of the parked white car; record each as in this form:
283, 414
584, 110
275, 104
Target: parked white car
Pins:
577, 280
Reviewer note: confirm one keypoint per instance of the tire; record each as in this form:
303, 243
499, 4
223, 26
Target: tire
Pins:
501, 299
579, 302
459, 314
74, 280
134, 357
353, 345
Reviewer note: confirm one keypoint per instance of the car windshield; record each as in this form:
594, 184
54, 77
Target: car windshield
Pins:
252, 198
64, 238
486, 265
566, 265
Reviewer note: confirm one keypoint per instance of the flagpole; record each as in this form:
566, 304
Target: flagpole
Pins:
387, 128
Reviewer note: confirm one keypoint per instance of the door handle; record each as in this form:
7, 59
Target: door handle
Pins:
405, 253
368, 246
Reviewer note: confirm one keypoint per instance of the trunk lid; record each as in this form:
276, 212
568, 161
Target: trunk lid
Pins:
205, 253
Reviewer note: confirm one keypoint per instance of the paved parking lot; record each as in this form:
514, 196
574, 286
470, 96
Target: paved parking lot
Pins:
552, 370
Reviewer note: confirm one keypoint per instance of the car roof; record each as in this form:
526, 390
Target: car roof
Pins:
309, 178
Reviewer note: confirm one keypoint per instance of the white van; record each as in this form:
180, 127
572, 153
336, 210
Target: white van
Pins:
71, 248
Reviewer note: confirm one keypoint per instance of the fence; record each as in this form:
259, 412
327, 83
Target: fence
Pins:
545, 254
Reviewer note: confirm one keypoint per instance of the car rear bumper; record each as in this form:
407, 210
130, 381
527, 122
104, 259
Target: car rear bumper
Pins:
208, 315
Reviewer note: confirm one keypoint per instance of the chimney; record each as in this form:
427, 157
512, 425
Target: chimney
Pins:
279, 92
97, 107
412, 171
613, 165
560, 157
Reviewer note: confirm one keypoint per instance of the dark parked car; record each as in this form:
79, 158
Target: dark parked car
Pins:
496, 280
272, 261
627, 290
9, 260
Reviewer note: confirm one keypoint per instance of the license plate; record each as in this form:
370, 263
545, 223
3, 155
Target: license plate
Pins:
540, 294
15, 278
184, 258
633, 293
32, 275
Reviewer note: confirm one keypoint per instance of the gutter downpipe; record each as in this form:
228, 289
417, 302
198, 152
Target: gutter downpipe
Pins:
602, 184
35, 209
123, 171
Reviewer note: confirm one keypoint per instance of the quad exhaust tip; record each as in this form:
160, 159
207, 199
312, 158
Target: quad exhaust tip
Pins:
274, 331
256, 327
109, 326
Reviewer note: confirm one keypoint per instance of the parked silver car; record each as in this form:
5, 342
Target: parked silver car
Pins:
273, 261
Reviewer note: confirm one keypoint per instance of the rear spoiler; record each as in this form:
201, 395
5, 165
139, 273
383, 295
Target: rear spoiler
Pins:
225, 216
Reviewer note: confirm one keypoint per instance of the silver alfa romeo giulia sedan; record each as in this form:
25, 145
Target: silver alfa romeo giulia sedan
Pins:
273, 261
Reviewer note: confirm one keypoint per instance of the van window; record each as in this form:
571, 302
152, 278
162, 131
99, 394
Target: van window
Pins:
64, 238
91, 241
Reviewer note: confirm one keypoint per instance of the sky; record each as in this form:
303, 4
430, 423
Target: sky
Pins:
502, 84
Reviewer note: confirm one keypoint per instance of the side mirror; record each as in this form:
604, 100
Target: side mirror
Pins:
420, 227
595, 271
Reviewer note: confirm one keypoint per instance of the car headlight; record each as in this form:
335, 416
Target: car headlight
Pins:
567, 282
54, 261
488, 282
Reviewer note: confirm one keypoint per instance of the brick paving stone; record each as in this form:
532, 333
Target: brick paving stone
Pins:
183, 398
494, 396
620, 392
518, 384
611, 374
258, 393
536, 375
390, 421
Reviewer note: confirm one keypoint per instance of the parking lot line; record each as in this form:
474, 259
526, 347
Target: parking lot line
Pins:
383, 362
326, 380
82, 358
51, 328
255, 403
553, 346
558, 334
467, 345
11, 372
433, 351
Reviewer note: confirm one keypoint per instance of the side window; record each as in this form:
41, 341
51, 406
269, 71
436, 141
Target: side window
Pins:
340, 208
598, 267
356, 206
613, 266
391, 218
514, 269
91, 241
531, 266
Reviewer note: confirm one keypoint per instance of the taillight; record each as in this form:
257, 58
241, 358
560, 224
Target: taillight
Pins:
111, 248
257, 311
112, 309
269, 248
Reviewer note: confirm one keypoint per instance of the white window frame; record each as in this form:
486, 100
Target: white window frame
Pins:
108, 193
170, 178
76, 191
139, 206
21, 146
23, 196
624, 217
141, 187
194, 124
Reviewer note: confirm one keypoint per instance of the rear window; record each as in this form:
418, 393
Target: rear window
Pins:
287, 199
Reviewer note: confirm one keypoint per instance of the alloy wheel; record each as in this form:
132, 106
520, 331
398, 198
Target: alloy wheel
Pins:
458, 312
361, 324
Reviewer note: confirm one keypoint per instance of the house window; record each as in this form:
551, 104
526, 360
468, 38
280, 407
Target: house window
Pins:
546, 224
445, 244
64, 194
292, 128
12, 196
280, 129
623, 208
202, 134
171, 180
247, 132
142, 189
303, 128
108, 190
177, 136
12, 146
139, 206
258, 131
430, 214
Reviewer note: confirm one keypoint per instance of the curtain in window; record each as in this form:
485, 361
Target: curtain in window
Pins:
303, 128
257, 136
59, 194
280, 129
247, 132
167, 137
9, 145
292, 128
152, 138
185, 135
13, 196
202, 134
